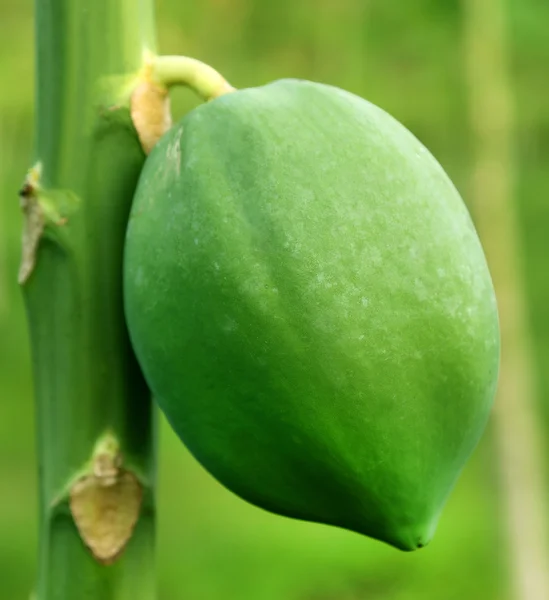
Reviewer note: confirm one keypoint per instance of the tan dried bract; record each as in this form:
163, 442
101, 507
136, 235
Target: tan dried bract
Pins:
34, 222
150, 112
105, 506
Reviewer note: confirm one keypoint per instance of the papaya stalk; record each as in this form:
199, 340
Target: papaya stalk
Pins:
150, 102
94, 413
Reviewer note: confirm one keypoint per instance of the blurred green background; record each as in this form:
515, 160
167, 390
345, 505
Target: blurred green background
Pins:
408, 57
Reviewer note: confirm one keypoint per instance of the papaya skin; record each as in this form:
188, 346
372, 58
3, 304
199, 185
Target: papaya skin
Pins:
311, 306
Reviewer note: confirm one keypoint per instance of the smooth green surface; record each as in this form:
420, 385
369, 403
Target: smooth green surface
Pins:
312, 309
86, 379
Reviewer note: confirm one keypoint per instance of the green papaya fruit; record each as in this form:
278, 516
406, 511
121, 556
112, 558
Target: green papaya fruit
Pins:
312, 309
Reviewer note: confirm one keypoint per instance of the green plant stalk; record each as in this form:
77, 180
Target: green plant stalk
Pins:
87, 381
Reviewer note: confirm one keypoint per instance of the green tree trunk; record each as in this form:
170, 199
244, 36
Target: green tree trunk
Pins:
94, 411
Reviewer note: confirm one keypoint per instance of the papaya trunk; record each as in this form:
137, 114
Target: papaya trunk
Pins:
518, 438
94, 413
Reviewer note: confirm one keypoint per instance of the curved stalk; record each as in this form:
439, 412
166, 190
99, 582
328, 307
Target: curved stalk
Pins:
182, 70
150, 102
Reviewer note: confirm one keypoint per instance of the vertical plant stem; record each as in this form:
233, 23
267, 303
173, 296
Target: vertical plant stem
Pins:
87, 382
519, 439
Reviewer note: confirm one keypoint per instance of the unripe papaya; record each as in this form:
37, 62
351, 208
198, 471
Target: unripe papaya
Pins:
312, 309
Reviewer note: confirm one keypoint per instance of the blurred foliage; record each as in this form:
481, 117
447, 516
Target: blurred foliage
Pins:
407, 58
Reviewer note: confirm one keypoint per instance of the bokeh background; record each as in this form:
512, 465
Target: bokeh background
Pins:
413, 58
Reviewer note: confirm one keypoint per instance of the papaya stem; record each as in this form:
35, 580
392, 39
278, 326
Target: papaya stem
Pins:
198, 76
96, 488
150, 101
